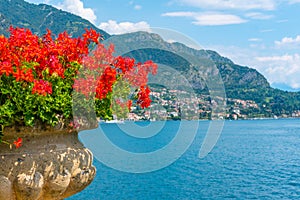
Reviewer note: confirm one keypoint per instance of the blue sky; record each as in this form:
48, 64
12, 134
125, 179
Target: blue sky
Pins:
262, 34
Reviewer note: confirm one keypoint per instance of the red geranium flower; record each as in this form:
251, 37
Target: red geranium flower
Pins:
144, 97
42, 87
18, 142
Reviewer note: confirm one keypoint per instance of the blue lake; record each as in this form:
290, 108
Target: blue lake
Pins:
253, 159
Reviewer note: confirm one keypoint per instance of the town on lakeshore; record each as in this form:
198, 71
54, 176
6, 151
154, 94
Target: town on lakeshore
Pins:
165, 106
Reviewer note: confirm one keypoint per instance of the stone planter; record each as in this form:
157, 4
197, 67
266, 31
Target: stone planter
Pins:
49, 165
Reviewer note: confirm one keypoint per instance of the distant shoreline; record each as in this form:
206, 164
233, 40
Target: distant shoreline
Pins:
248, 119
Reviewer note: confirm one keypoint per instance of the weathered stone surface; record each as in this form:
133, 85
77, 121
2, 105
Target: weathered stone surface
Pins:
6, 188
57, 184
29, 186
46, 167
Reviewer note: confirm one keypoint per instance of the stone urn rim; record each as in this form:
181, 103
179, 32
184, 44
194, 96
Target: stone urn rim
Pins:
15, 130
51, 164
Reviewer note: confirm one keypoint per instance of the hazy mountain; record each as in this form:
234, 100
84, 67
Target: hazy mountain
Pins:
144, 46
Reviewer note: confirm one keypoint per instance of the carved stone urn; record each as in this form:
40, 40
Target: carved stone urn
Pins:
49, 165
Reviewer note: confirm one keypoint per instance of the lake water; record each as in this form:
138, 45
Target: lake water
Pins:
255, 159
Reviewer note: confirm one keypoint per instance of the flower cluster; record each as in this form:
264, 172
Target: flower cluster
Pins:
38, 77
44, 54
143, 97
41, 87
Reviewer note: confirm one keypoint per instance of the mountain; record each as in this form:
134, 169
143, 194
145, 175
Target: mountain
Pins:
240, 82
144, 46
38, 18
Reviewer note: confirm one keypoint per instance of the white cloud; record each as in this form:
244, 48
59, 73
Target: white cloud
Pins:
218, 19
289, 42
232, 4
137, 7
257, 15
112, 27
180, 14
73, 6
277, 68
77, 7
282, 69
254, 39
275, 58
208, 18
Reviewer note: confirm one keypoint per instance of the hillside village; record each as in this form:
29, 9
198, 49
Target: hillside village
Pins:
166, 106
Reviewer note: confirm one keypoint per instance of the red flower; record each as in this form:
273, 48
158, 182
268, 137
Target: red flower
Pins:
144, 97
32, 60
85, 86
106, 82
6, 68
124, 64
138, 76
129, 104
23, 74
91, 35
18, 142
42, 87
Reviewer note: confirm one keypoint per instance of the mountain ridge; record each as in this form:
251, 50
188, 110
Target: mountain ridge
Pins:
147, 42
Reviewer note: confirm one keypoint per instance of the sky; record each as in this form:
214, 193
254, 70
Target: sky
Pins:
261, 34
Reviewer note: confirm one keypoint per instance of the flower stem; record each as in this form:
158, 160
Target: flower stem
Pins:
5, 142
